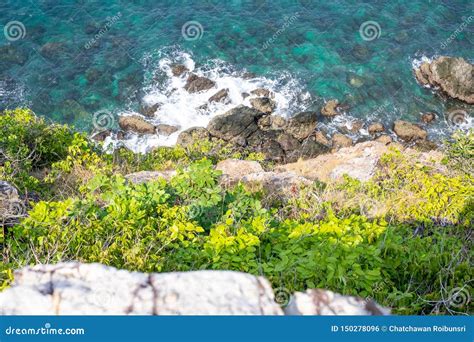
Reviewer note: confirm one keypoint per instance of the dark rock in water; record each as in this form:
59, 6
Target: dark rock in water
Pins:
248, 75
239, 122
454, 76
375, 128
164, 129
428, 117
136, 124
263, 104
262, 92
92, 28
178, 69
191, 135
197, 83
100, 136
340, 140
302, 125
361, 52
330, 108
245, 95
10, 54
220, 96
54, 50
92, 75
408, 131
352, 127
149, 110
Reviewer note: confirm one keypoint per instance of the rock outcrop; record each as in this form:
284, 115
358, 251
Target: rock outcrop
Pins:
263, 104
453, 76
148, 176
12, 208
233, 170
330, 108
94, 289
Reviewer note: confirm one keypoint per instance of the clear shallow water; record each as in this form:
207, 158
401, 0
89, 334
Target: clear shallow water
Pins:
81, 57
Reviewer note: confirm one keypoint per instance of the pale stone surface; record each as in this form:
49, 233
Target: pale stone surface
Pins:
148, 176
324, 302
234, 169
94, 289
358, 161
283, 185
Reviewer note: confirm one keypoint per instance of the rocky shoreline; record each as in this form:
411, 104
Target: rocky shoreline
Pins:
301, 136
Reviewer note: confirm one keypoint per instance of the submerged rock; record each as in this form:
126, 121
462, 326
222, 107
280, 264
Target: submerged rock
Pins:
136, 124
408, 131
196, 84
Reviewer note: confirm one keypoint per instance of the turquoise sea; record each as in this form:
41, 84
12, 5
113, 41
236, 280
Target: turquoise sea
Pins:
70, 59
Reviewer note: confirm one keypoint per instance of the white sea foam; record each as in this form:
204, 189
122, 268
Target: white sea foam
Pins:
180, 108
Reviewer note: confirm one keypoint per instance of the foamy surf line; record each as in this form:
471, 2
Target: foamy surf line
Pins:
183, 110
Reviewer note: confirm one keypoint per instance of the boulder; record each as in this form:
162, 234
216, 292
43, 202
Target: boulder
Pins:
358, 161
375, 128
136, 124
149, 176
94, 289
220, 96
263, 104
352, 127
408, 131
178, 69
427, 118
233, 170
328, 303
274, 122
302, 125
196, 84
163, 129
330, 108
384, 139
266, 142
340, 140
453, 76
235, 125
12, 208
191, 135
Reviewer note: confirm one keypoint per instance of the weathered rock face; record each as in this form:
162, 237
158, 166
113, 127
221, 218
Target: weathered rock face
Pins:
148, 176
261, 92
236, 125
233, 170
324, 302
340, 140
220, 96
428, 117
302, 125
94, 289
454, 76
136, 124
263, 104
197, 83
375, 128
358, 161
408, 131
189, 136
